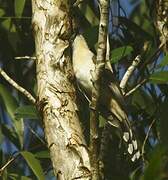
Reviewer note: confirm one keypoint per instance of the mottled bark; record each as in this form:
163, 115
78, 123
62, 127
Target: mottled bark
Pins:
161, 22
56, 94
97, 80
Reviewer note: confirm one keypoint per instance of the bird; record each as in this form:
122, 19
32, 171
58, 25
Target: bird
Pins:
111, 102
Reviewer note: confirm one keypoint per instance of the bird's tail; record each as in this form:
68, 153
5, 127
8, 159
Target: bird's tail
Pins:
128, 137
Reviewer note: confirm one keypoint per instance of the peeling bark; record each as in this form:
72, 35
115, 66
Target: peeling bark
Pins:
97, 81
56, 94
161, 7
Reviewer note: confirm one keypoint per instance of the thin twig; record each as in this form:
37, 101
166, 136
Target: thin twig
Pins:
9, 162
36, 135
129, 72
25, 57
146, 137
14, 17
77, 3
155, 54
19, 88
135, 88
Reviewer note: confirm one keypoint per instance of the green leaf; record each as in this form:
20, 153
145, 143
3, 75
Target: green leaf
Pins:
34, 164
43, 154
19, 6
2, 12
6, 24
9, 101
139, 32
1, 136
156, 165
14, 176
120, 52
102, 121
134, 175
142, 100
11, 105
164, 61
11, 135
163, 123
91, 35
27, 112
159, 77
89, 14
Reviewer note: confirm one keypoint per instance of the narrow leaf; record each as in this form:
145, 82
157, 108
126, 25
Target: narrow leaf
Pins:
164, 61
9, 101
14, 176
2, 12
19, 6
11, 135
155, 167
34, 164
89, 14
27, 112
11, 105
43, 154
120, 52
159, 77
135, 28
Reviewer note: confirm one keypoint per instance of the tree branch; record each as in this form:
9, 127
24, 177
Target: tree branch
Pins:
96, 78
8, 163
135, 88
25, 57
16, 86
146, 137
129, 72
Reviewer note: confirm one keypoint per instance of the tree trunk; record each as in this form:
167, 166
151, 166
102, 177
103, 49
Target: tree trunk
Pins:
56, 94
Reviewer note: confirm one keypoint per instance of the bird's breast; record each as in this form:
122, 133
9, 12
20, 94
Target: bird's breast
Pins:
84, 78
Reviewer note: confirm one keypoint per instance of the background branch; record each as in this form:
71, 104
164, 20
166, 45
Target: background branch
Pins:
135, 88
129, 72
16, 86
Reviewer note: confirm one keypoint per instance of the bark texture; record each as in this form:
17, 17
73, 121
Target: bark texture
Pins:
162, 21
56, 94
97, 81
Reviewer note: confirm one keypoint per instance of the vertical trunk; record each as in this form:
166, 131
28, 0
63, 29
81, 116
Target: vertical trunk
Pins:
56, 94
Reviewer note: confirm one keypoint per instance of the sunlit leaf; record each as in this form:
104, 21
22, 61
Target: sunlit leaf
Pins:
155, 166
26, 112
18, 177
11, 135
42, 154
159, 77
163, 123
2, 12
89, 14
6, 24
11, 105
135, 28
164, 61
120, 52
19, 6
9, 101
34, 164
142, 100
